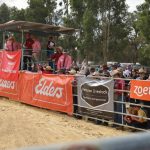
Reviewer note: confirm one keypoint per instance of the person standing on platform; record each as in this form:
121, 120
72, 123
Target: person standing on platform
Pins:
50, 50
12, 45
36, 52
27, 54
56, 56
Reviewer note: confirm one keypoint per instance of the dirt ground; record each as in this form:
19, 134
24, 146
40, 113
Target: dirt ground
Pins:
22, 126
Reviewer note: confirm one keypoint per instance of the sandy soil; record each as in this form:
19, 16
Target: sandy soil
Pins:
22, 125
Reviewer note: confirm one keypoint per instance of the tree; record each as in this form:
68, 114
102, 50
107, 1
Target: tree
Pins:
4, 13
143, 24
38, 10
17, 15
103, 28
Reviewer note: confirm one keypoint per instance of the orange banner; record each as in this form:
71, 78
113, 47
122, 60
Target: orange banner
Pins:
47, 91
140, 90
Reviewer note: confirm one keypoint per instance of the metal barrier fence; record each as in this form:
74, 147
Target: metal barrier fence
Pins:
120, 110
138, 141
119, 105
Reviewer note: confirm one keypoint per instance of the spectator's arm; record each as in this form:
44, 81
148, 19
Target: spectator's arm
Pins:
139, 118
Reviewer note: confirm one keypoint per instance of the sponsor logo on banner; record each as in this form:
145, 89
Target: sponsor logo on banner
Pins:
95, 94
7, 84
95, 97
51, 89
48, 88
140, 90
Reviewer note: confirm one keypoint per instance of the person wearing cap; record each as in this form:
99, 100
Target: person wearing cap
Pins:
118, 96
140, 121
64, 63
56, 56
142, 74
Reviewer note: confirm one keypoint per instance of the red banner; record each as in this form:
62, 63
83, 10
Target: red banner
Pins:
9, 71
140, 90
10, 65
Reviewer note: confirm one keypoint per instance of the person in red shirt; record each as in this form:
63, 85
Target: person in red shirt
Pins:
27, 54
56, 56
118, 97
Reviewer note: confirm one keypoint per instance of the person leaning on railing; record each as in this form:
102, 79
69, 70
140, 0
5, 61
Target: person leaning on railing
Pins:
64, 63
118, 96
140, 121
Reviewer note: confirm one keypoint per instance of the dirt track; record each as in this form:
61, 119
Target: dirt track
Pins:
22, 125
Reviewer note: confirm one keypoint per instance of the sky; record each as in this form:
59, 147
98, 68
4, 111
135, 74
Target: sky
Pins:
23, 3
133, 3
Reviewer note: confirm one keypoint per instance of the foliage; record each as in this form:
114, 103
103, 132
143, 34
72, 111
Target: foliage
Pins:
4, 13
38, 10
